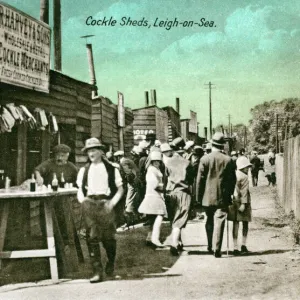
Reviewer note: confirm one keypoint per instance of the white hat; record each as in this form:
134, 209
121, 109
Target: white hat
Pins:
165, 147
242, 162
144, 144
155, 155
188, 145
233, 153
208, 146
119, 153
157, 143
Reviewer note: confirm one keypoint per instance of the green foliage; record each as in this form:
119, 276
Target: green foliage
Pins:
263, 123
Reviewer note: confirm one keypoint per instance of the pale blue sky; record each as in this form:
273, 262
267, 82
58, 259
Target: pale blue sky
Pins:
252, 55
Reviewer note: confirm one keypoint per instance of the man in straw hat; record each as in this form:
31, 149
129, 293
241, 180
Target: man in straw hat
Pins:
100, 189
215, 186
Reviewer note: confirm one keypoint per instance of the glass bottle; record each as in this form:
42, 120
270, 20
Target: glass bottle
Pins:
54, 183
32, 184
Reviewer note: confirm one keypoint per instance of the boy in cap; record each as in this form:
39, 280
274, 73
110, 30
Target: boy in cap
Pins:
241, 209
100, 189
215, 186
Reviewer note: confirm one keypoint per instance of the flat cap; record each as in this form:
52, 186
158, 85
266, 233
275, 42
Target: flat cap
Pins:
119, 153
62, 148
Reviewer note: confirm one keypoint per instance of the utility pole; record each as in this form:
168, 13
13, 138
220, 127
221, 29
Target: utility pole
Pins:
245, 137
277, 139
210, 110
229, 126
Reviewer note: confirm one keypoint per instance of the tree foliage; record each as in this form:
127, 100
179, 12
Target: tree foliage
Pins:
263, 123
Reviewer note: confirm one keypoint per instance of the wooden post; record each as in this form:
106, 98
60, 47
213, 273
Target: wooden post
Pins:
277, 138
44, 11
57, 34
205, 133
121, 138
21, 154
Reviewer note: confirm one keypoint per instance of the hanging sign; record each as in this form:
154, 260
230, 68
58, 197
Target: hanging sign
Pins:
24, 50
193, 125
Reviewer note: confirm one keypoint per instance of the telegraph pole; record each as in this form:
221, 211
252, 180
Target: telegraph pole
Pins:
229, 125
210, 110
277, 139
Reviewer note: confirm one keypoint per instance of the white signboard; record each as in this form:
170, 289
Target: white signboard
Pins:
193, 124
24, 50
121, 110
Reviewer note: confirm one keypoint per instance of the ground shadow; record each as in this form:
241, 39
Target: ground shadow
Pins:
252, 253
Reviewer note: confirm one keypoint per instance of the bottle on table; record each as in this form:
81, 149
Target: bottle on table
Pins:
62, 181
7, 183
32, 184
54, 183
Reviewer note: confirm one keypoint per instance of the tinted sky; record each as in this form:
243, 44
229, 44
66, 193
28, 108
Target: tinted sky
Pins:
252, 54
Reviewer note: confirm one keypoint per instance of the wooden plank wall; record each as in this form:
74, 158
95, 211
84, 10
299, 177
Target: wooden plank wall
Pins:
68, 99
161, 125
287, 173
174, 128
105, 124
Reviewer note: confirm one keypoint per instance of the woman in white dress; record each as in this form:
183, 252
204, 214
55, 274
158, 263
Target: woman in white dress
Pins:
153, 204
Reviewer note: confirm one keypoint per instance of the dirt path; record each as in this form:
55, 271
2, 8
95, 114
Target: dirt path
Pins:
271, 271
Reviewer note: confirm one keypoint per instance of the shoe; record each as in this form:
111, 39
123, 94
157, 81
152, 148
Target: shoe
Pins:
174, 251
210, 250
218, 254
244, 249
109, 269
154, 245
180, 247
96, 278
236, 252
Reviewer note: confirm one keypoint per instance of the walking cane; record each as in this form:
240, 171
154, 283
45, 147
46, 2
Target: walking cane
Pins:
227, 236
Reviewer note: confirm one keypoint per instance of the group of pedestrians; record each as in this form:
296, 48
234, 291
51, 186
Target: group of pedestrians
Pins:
161, 181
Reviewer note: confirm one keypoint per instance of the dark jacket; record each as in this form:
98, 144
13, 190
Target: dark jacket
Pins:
215, 180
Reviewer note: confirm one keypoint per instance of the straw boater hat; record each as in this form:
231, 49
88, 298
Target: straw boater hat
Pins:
233, 153
93, 143
165, 147
144, 144
155, 155
188, 145
218, 139
178, 144
242, 162
119, 153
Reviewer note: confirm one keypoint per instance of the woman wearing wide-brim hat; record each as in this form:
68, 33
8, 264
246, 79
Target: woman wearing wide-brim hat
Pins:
153, 203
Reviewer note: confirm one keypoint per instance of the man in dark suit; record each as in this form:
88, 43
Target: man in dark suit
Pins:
215, 186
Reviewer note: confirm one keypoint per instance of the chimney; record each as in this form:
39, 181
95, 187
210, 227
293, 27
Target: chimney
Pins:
178, 105
57, 34
44, 11
153, 97
91, 64
146, 98
205, 133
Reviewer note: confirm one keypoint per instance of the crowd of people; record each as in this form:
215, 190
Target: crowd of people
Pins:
158, 181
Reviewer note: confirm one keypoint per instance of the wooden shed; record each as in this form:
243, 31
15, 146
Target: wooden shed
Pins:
150, 119
23, 148
105, 124
174, 128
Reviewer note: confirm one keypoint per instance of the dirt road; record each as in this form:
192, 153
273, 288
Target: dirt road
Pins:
270, 271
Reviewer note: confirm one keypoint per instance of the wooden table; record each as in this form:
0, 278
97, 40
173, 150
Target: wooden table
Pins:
48, 198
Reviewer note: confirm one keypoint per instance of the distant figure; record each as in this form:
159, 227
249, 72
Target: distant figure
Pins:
242, 152
234, 157
255, 161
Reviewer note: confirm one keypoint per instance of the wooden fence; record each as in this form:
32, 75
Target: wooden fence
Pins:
287, 173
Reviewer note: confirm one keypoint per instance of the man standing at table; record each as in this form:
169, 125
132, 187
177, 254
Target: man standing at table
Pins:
215, 186
100, 189
59, 165
44, 173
